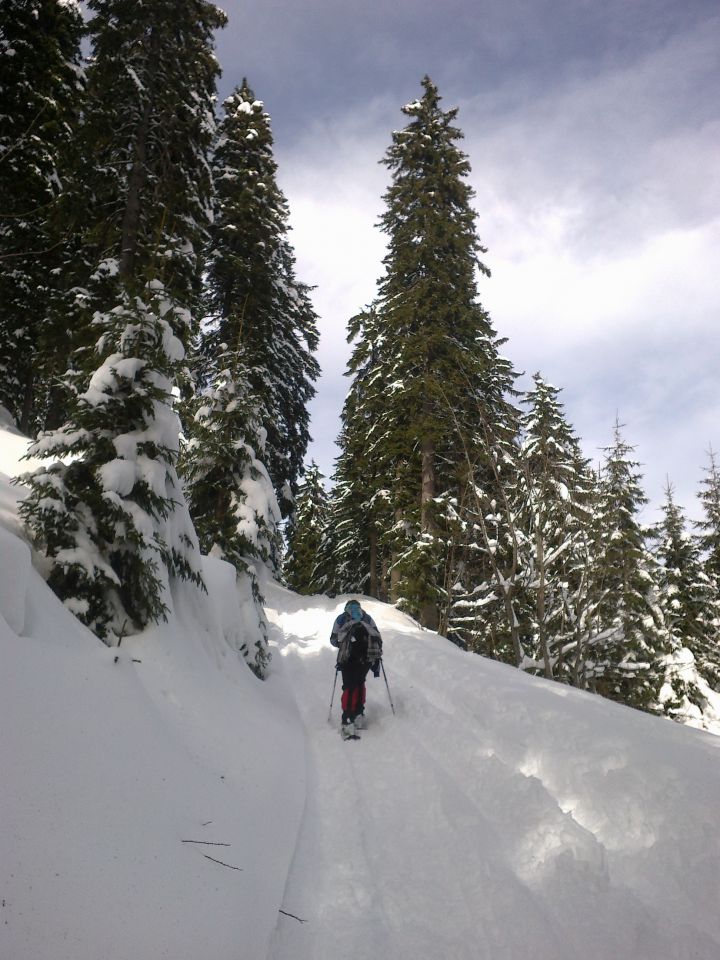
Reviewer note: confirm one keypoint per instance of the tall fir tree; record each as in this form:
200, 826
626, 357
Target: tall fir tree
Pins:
305, 533
254, 300
40, 87
426, 365
625, 662
114, 522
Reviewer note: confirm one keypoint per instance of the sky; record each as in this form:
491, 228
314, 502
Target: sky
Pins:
593, 132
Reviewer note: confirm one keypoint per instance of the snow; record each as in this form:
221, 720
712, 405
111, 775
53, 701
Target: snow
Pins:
494, 816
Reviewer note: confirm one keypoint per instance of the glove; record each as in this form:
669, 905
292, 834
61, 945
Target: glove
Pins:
375, 667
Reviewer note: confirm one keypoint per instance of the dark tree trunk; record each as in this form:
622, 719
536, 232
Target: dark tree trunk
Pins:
138, 174
373, 564
429, 615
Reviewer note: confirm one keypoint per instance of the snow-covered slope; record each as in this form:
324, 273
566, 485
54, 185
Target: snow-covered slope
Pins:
113, 760
494, 816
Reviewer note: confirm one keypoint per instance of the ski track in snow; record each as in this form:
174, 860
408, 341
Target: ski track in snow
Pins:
450, 831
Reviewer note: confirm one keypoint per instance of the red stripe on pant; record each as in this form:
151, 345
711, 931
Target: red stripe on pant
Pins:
352, 700
353, 696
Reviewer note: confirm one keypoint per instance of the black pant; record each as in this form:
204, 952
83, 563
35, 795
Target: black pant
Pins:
353, 684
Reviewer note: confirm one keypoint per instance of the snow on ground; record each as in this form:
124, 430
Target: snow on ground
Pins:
494, 817
111, 758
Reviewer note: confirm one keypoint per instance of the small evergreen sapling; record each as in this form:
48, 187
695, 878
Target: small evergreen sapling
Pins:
231, 496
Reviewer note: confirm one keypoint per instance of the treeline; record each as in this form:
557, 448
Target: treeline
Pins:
470, 504
147, 295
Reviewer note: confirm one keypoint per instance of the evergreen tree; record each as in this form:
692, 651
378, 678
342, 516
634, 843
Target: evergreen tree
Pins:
230, 495
709, 526
254, 299
687, 597
40, 84
149, 118
625, 662
305, 533
108, 519
426, 365
485, 615
556, 488
149, 126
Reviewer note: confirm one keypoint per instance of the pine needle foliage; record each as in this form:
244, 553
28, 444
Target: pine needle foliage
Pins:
687, 596
40, 87
254, 300
305, 533
426, 358
118, 527
103, 513
626, 661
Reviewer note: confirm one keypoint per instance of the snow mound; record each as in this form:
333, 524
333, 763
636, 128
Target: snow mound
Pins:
152, 793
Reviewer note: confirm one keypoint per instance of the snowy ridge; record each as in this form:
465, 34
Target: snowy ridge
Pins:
495, 817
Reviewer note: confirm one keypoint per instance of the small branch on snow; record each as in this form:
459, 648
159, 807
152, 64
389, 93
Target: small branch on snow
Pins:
286, 914
222, 863
207, 843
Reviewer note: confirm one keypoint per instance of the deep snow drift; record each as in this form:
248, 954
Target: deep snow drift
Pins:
494, 816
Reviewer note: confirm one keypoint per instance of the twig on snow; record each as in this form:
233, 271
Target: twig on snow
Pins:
286, 914
207, 843
222, 863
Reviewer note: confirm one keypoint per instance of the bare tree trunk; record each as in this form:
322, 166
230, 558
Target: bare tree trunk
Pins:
429, 613
373, 563
138, 173
383, 593
26, 414
394, 580
136, 182
540, 605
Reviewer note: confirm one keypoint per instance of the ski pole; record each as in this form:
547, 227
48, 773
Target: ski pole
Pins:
382, 666
333, 695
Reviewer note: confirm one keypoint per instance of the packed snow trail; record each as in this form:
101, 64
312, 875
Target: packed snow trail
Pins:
496, 816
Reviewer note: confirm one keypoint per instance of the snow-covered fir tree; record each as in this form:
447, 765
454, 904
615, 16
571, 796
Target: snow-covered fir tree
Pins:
355, 547
555, 492
106, 513
626, 659
254, 300
230, 495
426, 360
40, 85
305, 532
114, 522
148, 130
687, 599
709, 526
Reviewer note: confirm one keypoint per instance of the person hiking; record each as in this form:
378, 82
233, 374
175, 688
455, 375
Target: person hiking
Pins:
359, 644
